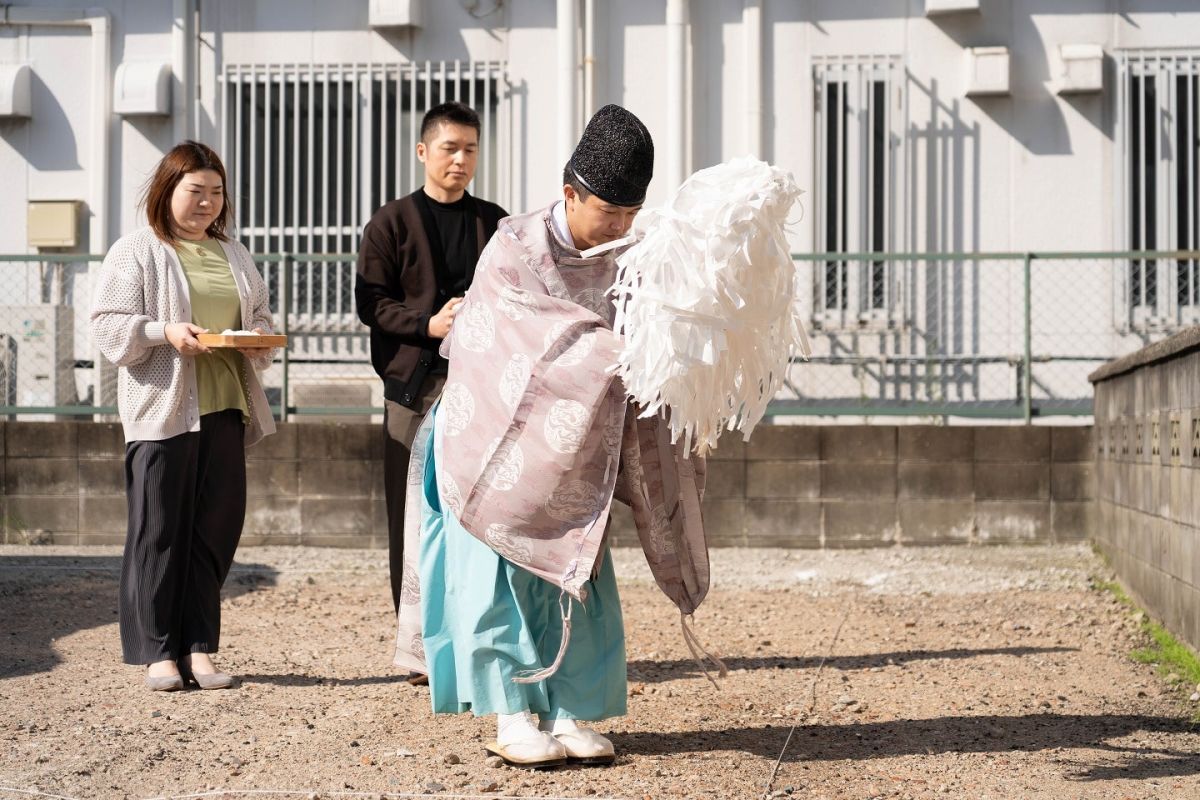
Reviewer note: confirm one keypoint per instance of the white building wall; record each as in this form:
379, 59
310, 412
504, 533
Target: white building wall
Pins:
1030, 170
982, 174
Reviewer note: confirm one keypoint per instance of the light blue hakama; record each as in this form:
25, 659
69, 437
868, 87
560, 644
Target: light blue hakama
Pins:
485, 620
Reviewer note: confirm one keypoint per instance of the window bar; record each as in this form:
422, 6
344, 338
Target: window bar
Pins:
227, 153
310, 214
383, 143
281, 204
473, 68
458, 80
821, 87
326, 153
840, 230
397, 187
253, 212
339, 215
1141, 188
441, 82
291, 265
1125, 106
428, 104
1169, 165
239, 155
885, 221
1193, 78
412, 128
265, 227
358, 154
487, 127
867, 137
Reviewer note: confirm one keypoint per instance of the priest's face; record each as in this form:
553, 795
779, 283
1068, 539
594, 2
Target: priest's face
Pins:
450, 153
593, 221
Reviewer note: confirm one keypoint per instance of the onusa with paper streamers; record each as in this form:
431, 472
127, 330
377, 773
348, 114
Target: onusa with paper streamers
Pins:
706, 302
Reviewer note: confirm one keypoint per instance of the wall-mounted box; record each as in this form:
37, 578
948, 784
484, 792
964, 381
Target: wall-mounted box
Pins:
14, 90
53, 223
1082, 69
394, 13
142, 87
987, 71
934, 8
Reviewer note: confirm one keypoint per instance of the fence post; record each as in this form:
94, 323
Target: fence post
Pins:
285, 291
1027, 378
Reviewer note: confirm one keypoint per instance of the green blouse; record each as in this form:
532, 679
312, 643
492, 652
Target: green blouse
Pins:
217, 307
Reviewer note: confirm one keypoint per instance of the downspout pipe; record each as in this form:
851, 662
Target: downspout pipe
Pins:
589, 59
676, 150
568, 64
183, 58
97, 20
752, 25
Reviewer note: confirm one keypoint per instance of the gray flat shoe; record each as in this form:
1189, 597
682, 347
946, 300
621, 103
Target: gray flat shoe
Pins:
213, 680
167, 683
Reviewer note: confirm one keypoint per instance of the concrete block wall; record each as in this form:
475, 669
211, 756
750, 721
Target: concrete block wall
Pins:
1147, 453
876, 486
314, 484
791, 486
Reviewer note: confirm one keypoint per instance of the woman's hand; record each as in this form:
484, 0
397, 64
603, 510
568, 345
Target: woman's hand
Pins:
255, 352
182, 336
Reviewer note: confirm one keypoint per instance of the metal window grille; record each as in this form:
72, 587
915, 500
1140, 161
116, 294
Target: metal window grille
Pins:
313, 150
857, 133
1159, 142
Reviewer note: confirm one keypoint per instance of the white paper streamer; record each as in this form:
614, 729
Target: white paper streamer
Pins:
706, 301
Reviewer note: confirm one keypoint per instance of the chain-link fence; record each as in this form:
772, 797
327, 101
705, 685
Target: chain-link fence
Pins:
993, 335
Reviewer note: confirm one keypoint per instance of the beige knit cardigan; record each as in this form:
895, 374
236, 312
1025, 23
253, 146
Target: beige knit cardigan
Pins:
141, 289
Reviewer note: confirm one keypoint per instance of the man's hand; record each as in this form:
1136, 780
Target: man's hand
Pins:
441, 322
254, 352
182, 336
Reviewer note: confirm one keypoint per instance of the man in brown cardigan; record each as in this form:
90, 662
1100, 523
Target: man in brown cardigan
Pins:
416, 260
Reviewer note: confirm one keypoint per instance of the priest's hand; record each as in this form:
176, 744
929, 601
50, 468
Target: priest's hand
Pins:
441, 322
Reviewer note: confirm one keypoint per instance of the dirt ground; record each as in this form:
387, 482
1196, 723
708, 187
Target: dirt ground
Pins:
917, 673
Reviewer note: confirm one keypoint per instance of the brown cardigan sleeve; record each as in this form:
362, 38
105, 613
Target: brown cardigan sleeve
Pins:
380, 306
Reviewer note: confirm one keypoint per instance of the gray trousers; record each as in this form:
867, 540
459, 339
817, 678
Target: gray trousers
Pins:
400, 425
187, 504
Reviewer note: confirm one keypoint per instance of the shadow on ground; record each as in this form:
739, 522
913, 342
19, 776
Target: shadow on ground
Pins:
656, 671
44, 598
982, 734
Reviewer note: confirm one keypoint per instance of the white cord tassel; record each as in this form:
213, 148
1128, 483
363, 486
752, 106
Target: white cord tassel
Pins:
531, 676
706, 301
700, 654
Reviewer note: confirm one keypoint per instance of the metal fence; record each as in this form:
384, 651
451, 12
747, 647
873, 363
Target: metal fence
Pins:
1008, 336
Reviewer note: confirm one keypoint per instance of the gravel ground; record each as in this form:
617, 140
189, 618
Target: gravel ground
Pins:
903, 673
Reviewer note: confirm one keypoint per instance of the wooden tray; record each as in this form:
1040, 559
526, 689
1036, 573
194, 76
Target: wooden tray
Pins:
241, 340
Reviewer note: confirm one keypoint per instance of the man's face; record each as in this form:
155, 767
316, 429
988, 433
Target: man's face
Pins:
450, 154
593, 221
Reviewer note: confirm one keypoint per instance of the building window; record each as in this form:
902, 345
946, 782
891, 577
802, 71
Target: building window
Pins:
1159, 130
313, 150
856, 134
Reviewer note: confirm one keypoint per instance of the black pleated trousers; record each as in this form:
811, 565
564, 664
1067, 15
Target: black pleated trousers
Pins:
187, 505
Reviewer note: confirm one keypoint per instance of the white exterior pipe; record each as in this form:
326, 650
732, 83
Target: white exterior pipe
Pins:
183, 57
101, 108
589, 59
676, 149
568, 64
752, 25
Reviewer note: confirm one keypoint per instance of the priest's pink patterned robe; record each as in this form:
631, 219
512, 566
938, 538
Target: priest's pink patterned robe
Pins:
536, 435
